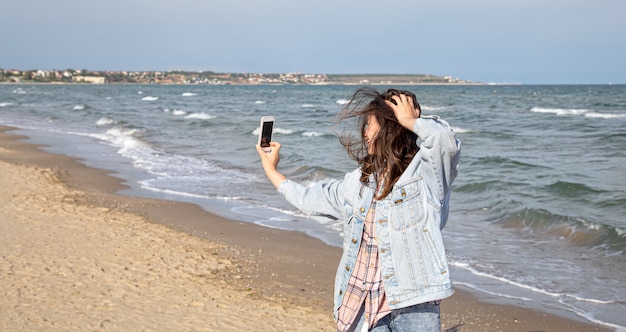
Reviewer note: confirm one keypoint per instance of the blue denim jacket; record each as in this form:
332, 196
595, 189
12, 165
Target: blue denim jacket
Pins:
409, 220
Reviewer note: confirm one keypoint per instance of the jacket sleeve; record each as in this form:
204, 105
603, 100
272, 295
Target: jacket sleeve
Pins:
440, 152
323, 198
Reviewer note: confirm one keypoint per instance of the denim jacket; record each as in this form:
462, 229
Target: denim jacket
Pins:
408, 221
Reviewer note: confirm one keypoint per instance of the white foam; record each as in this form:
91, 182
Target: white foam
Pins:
258, 102
591, 318
145, 185
342, 101
459, 130
307, 106
312, 134
6, 104
559, 295
79, 107
604, 115
432, 108
583, 299
128, 145
150, 98
270, 223
104, 122
200, 116
560, 111
475, 272
179, 112
283, 131
189, 94
574, 111
276, 131
474, 287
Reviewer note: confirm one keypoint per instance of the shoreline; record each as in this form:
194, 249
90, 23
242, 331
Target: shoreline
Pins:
269, 267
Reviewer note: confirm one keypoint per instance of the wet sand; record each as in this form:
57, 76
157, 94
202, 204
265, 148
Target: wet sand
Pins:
75, 256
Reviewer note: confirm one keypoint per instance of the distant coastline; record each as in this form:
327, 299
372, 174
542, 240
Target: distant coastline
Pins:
70, 76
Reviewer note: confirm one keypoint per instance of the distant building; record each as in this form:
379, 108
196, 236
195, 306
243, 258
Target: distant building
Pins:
89, 79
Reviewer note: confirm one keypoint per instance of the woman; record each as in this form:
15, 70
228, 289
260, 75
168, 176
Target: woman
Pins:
393, 271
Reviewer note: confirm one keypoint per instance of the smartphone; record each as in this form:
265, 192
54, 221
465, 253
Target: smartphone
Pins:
265, 132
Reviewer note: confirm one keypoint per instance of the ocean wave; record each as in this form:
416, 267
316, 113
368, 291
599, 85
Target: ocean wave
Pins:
79, 107
574, 230
259, 102
102, 122
6, 104
189, 94
503, 279
200, 116
574, 111
307, 106
276, 131
150, 98
310, 175
560, 111
459, 130
146, 184
604, 115
620, 202
312, 134
571, 189
579, 306
476, 272
482, 290
126, 139
478, 187
179, 112
432, 108
342, 101
503, 162
283, 131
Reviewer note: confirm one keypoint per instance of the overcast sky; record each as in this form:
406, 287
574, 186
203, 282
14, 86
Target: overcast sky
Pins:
515, 41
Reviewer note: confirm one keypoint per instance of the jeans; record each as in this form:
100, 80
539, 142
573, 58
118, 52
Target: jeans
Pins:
421, 317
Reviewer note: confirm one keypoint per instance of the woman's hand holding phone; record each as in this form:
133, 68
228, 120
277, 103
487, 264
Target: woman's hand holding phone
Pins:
269, 151
270, 161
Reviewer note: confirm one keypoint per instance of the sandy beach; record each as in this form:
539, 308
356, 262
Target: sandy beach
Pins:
75, 256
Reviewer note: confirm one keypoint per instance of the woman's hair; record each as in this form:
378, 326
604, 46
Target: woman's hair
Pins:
394, 145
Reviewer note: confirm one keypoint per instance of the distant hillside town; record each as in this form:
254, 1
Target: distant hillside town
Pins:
209, 77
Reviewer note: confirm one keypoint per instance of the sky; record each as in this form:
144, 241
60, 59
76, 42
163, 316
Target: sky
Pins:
499, 41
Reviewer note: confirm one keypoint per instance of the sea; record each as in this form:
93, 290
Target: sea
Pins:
538, 211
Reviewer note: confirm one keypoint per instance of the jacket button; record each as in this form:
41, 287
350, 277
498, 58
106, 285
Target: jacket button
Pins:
353, 240
347, 268
340, 292
362, 209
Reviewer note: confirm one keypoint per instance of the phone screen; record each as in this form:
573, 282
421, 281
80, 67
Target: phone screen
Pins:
266, 133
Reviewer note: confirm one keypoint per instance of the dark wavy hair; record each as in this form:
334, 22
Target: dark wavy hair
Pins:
395, 146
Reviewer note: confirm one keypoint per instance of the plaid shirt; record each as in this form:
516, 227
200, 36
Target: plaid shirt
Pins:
365, 284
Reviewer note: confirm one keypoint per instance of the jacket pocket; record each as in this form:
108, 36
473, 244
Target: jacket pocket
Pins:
405, 205
438, 262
